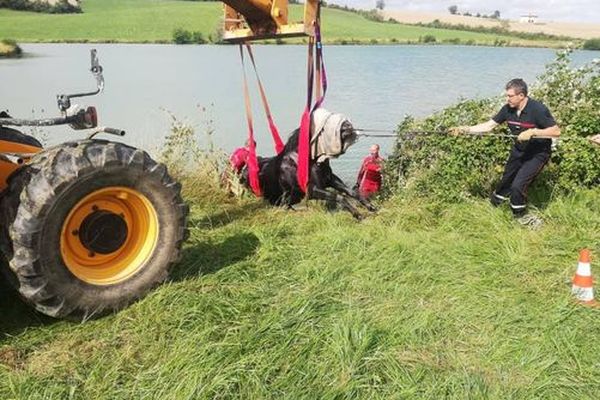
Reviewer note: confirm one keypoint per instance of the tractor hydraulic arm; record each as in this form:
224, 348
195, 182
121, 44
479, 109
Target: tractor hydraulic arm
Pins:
265, 19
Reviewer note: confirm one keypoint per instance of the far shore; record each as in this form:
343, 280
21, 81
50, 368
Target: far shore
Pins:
578, 30
296, 42
136, 21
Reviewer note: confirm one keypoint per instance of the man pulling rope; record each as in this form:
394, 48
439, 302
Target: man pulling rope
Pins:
526, 119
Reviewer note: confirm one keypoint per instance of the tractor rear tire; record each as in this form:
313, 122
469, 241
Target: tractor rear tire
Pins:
89, 227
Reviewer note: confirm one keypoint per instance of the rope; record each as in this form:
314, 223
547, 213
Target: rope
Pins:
374, 130
445, 133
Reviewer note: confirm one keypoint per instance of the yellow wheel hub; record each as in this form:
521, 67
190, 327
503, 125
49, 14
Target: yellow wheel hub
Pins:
109, 235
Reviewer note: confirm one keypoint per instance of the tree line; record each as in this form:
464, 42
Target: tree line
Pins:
454, 11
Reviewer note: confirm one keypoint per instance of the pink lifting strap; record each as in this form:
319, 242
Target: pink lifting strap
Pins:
252, 159
304, 138
277, 142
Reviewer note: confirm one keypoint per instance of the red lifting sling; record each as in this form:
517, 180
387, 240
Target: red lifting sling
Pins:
253, 168
304, 138
321, 78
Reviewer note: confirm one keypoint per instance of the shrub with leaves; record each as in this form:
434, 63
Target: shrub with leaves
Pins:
198, 38
182, 36
592, 44
427, 39
455, 168
9, 48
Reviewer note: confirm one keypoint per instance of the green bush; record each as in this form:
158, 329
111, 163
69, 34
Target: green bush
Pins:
592, 44
9, 42
372, 15
198, 38
427, 39
453, 169
183, 36
9, 48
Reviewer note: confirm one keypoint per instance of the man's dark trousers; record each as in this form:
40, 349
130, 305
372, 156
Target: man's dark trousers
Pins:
521, 169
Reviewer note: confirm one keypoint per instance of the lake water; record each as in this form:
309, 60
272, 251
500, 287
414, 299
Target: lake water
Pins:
375, 86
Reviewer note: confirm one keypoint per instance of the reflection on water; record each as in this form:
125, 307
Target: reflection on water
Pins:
375, 86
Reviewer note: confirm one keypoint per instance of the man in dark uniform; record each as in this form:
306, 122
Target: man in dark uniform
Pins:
526, 119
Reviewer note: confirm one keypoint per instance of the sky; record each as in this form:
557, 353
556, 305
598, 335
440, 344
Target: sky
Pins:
546, 10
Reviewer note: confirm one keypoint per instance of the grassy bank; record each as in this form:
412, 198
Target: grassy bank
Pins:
422, 300
418, 301
155, 20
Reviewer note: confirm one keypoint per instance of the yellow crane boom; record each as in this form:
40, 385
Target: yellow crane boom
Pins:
247, 20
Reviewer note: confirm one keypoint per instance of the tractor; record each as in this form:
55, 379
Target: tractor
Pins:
88, 226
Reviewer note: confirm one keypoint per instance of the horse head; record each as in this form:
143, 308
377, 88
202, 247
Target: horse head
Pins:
332, 135
347, 135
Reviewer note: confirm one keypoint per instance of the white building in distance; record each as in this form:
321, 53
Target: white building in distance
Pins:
529, 18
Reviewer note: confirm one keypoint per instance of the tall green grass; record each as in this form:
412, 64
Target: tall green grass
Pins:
421, 300
203, 172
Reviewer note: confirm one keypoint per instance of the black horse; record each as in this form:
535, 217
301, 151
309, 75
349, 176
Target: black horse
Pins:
279, 183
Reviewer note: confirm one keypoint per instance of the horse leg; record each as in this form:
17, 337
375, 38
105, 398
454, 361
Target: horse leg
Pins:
340, 186
320, 194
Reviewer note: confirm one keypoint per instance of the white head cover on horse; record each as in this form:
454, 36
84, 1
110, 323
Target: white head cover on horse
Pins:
326, 135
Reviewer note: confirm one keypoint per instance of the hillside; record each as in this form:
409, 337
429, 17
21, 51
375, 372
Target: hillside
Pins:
142, 21
571, 29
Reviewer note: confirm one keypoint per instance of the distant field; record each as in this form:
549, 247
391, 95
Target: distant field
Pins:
154, 21
112, 20
570, 29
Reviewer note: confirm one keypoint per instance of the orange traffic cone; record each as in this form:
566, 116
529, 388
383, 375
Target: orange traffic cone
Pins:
583, 288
